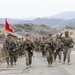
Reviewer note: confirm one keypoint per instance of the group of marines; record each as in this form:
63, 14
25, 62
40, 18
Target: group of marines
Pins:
49, 46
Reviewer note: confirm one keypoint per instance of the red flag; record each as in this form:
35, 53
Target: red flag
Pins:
8, 27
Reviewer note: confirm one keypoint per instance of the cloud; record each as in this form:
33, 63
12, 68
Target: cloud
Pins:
34, 8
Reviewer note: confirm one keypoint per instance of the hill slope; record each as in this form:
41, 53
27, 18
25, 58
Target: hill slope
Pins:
59, 21
65, 15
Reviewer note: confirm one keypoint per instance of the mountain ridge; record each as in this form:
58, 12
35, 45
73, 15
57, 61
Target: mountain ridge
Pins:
58, 21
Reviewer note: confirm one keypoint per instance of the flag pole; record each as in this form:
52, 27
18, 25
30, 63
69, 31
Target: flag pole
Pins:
5, 32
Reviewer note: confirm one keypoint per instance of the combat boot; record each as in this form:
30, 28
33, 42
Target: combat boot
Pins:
27, 67
49, 64
7, 65
59, 61
14, 63
69, 63
63, 62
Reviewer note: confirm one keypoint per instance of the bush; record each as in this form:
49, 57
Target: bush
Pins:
69, 27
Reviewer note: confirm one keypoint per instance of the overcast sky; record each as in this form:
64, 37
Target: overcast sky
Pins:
34, 8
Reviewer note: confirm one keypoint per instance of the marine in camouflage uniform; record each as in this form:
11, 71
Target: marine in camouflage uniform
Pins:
40, 42
9, 48
13, 50
15, 38
6, 49
59, 49
19, 45
42, 47
28, 46
21, 49
36, 44
68, 44
50, 50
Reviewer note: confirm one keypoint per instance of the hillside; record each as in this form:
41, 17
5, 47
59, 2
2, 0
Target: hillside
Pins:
59, 21
65, 15
33, 29
66, 23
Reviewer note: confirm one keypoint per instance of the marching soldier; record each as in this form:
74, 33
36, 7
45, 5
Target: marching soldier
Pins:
36, 44
21, 50
42, 47
28, 46
12, 50
9, 48
59, 49
6, 49
50, 47
68, 44
15, 49
39, 41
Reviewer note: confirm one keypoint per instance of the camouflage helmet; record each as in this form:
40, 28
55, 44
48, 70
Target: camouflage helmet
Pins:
9, 34
66, 32
50, 34
27, 35
57, 35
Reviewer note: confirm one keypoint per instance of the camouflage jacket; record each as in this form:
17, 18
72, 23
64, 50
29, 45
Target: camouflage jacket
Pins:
28, 45
68, 42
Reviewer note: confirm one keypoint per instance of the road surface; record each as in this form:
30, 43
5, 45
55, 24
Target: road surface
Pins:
39, 67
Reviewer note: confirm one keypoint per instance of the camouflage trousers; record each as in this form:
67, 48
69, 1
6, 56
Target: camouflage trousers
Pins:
67, 54
7, 57
59, 53
10, 58
13, 59
28, 58
49, 57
